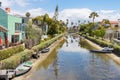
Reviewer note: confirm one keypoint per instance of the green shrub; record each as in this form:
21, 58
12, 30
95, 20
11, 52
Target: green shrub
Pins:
46, 43
5, 53
15, 60
104, 43
20, 57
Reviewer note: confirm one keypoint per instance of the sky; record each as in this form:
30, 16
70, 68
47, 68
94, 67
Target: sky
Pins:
73, 10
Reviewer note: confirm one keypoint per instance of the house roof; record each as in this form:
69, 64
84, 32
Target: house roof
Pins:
113, 22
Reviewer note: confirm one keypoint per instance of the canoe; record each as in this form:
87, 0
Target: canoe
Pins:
23, 68
101, 51
45, 50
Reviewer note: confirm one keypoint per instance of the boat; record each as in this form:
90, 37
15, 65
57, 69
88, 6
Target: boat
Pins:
101, 51
107, 49
35, 55
45, 50
23, 68
7, 74
104, 50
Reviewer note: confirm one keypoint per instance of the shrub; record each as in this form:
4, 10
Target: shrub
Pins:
46, 43
15, 60
10, 51
104, 43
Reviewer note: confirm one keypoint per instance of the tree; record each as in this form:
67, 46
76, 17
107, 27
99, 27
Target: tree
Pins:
45, 17
55, 17
27, 14
72, 23
78, 21
54, 29
105, 23
32, 34
103, 31
67, 21
93, 15
100, 32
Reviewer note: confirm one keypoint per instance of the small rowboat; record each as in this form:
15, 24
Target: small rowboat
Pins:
23, 68
45, 50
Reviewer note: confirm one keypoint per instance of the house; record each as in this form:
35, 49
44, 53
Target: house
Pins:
114, 24
12, 25
112, 29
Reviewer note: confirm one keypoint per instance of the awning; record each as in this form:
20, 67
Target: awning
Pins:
3, 29
16, 33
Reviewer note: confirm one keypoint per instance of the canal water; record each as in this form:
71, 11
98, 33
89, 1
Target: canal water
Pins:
73, 61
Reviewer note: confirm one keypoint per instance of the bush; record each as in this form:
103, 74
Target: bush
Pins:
10, 51
46, 43
15, 60
103, 43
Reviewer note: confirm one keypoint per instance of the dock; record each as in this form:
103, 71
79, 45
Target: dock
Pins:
7, 74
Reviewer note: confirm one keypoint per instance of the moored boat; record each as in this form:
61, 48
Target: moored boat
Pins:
101, 51
45, 50
104, 50
23, 68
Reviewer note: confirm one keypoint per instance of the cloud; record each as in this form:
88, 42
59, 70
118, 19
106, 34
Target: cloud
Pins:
22, 3
34, 12
107, 11
37, 12
108, 14
76, 14
6, 3
73, 14
9, 3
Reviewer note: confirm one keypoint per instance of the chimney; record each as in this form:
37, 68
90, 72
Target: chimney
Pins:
0, 4
7, 10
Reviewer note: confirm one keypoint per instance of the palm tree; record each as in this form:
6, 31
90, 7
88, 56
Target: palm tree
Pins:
45, 17
78, 21
72, 23
93, 15
55, 17
27, 14
67, 21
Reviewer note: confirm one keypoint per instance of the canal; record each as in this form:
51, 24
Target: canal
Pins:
73, 61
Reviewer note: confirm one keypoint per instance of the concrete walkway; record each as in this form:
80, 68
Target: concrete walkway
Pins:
36, 62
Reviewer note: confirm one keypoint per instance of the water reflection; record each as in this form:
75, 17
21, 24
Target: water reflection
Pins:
75, 62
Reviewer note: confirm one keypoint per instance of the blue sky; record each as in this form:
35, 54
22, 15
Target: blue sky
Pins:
49, 5
71, 9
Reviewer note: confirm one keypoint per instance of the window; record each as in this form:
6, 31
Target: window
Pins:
116, 25
15, 38
17, 27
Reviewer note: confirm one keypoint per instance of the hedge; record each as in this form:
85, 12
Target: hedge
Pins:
46, 43
5, 53
104, 43
15, 60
